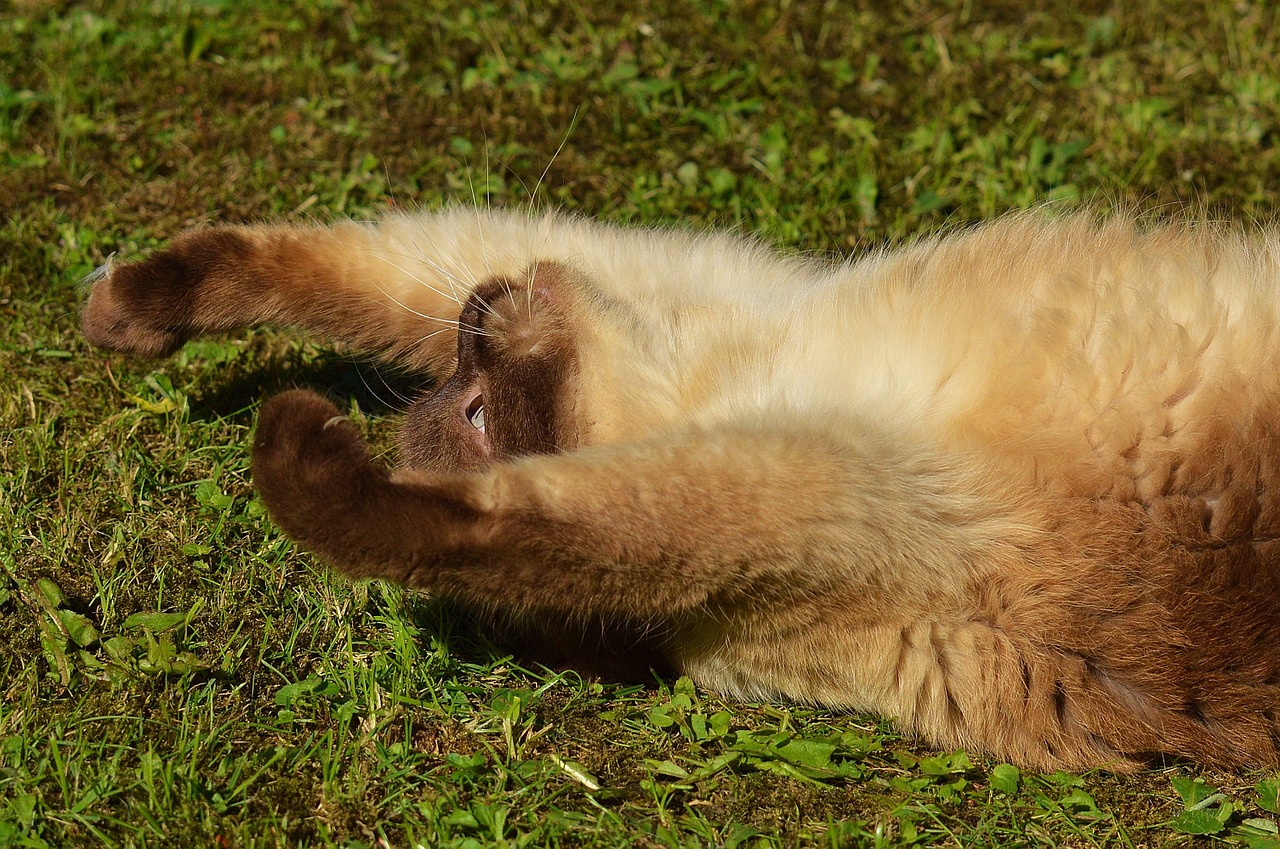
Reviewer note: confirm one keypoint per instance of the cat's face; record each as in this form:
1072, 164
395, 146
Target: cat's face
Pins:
514, 388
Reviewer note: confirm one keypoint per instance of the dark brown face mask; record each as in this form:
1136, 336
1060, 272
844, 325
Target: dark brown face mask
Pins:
511, 393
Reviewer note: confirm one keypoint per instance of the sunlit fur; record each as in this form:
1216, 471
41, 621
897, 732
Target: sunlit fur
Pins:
1015, 487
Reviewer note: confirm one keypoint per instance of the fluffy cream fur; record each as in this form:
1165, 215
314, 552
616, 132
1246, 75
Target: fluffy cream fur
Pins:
1014, 486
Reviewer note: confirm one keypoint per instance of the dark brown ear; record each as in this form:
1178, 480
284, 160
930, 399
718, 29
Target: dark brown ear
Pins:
149, 308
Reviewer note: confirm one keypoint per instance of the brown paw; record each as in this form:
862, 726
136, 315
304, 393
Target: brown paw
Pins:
150, 308
310, 464
114, 321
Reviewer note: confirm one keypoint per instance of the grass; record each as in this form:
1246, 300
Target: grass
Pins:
175, 674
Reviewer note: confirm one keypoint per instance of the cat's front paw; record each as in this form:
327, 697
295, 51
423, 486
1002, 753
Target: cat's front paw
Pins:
310, 464
149, 308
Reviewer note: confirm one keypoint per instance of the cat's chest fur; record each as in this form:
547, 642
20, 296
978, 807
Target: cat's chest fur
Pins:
1097, 362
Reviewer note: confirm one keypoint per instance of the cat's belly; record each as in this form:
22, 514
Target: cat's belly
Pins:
777, 671
837, 665
944, 677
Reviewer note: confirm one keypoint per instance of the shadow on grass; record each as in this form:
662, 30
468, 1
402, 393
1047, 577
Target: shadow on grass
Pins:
594, 648
377, 388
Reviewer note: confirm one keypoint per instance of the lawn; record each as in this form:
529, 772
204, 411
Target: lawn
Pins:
174, 673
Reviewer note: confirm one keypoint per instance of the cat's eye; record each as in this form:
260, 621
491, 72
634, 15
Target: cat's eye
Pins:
475, 413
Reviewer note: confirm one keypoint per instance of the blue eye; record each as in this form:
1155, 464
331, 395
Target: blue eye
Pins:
475, 413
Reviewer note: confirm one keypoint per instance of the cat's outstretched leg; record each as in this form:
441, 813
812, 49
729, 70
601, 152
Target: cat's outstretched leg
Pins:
795, 563
648, 528
397, 286
351, 282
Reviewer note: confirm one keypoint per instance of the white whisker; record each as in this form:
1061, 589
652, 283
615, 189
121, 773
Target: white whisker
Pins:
415, 278
449, 276
431, 335
528, 293
446, 321
573, 123
480, 228
375, 393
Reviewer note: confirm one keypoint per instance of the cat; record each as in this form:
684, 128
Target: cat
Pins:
1016, 487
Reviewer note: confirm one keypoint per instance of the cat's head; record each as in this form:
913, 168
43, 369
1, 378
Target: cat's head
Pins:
514, 390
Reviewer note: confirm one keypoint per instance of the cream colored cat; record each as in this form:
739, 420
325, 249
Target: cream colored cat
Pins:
1016, 487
